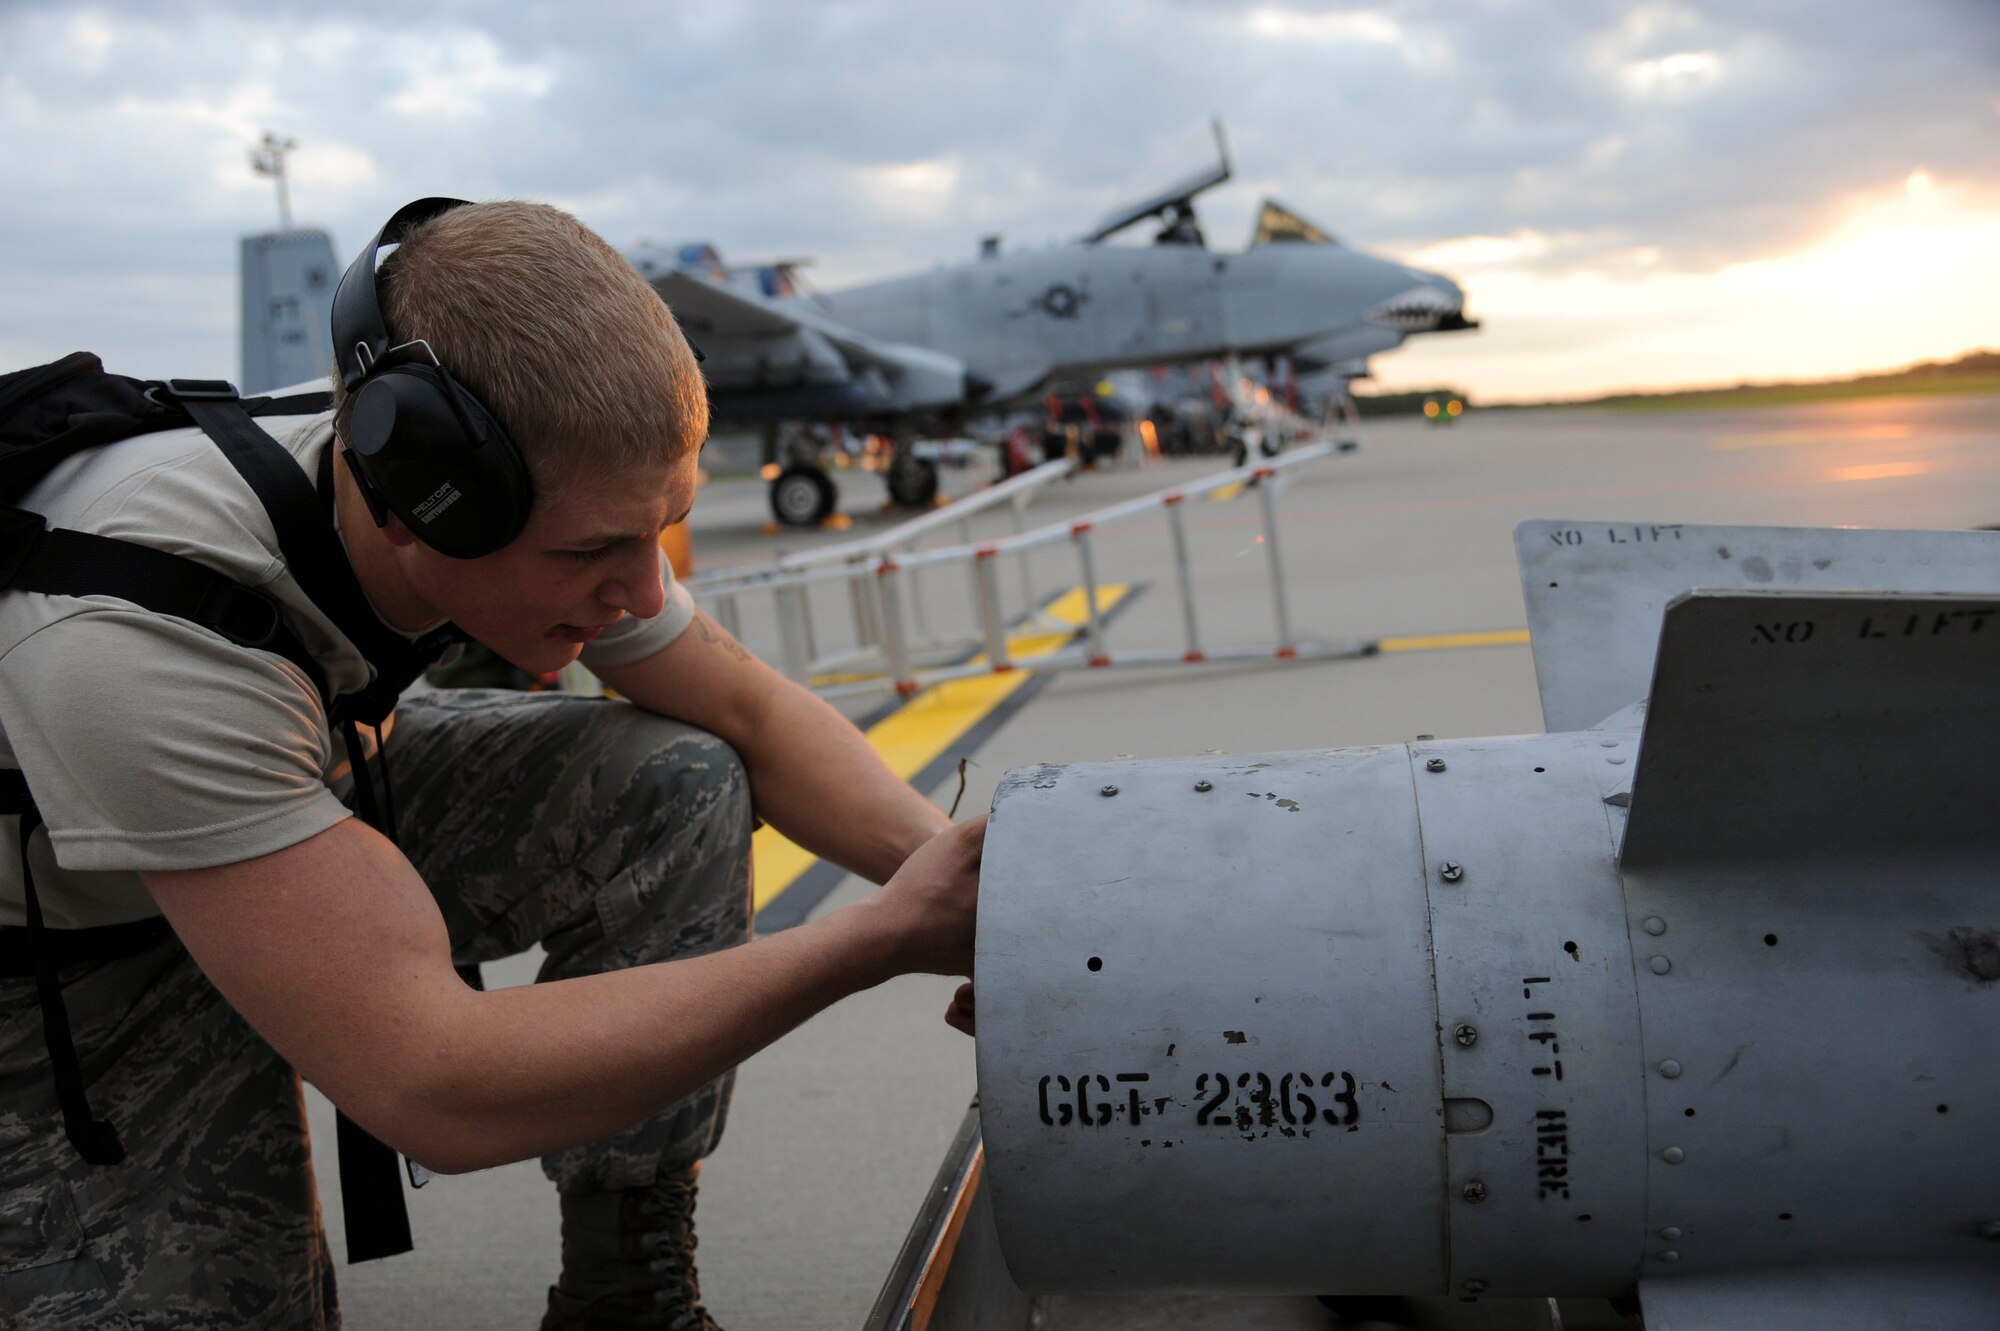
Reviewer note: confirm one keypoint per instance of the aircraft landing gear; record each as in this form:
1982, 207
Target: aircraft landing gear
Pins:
802, 495
913, 481
1254, 442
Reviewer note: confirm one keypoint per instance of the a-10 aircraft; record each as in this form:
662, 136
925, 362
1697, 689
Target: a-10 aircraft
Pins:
927, 351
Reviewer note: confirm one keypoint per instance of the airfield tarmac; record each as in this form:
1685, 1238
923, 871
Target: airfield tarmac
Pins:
838, 1128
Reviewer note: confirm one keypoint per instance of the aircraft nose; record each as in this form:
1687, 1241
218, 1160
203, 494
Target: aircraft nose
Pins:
1423, 308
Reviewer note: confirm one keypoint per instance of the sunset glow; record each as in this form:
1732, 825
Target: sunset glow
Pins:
1907, 273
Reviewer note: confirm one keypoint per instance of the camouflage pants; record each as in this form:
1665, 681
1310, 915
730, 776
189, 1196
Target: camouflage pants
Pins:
610, 836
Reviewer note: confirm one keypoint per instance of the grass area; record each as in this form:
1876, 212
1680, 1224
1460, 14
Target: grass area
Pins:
1976, 372
1782, 395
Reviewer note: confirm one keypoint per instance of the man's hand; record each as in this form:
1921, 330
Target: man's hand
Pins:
929, 909
959, 1016
932, 901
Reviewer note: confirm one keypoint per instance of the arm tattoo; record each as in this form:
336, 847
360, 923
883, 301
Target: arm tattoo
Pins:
712, 632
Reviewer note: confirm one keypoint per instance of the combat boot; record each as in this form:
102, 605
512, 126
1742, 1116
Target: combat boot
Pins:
628, 1261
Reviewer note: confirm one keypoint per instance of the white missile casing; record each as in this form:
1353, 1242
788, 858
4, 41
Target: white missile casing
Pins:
1707, 998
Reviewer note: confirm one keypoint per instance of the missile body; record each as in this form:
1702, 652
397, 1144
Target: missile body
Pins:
1704, 998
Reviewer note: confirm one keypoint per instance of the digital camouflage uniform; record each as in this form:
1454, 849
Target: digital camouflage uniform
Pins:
610, 836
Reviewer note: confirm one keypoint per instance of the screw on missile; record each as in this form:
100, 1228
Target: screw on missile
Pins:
1466, 1036
1990, 1231
1474, 1287
1670, 1068
1474, 1192
1434, 765
1203, 786
1451, 871
1107, 790
1673, 1155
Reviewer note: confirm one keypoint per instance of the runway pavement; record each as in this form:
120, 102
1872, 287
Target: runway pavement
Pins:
838, 1127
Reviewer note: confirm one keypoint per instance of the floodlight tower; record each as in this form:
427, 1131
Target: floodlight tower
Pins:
268, 159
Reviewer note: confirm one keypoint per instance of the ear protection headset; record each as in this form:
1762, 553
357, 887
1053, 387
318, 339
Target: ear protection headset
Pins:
419, 443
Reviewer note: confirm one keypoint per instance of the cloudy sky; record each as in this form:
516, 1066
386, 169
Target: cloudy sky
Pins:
1631, 194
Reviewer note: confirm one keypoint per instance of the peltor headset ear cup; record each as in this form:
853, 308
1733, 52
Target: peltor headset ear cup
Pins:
421, 445
439, 461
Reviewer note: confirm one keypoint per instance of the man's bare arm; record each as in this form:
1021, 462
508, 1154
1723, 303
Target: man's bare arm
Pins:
812, 774
336, 954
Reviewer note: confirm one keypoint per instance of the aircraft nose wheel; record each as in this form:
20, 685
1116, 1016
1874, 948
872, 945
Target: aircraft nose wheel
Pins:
913, 481
802, 496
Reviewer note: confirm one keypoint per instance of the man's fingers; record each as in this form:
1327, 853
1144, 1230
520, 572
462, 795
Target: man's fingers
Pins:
960, 1014
959, 1020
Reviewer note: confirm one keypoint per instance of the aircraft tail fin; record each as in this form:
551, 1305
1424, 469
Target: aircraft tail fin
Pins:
1279, 225
288, 279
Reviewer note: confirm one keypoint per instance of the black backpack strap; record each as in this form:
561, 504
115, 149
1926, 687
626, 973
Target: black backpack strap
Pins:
377, 1219
310, 403
37, 558
299, 512
94, 1138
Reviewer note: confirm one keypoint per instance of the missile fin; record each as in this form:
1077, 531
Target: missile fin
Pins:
1788, 723
1595, 590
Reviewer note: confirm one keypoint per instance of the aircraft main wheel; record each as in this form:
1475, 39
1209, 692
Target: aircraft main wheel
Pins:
913, 481
802, 496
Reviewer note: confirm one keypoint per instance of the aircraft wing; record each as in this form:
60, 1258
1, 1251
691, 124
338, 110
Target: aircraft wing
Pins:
708, 308
781, 359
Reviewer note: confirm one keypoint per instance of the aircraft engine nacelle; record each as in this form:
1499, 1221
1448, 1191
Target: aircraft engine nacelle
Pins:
1703, 1001
796, 358
929, 378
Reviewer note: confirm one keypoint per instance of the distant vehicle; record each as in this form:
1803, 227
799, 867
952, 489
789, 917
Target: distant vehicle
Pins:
922, 353
1443, 410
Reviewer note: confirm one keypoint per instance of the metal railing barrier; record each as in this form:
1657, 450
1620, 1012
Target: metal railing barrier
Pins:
895, 647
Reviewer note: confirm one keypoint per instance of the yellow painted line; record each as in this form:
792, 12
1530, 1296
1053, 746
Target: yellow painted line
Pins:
1228, 492
1435, 641
916, 734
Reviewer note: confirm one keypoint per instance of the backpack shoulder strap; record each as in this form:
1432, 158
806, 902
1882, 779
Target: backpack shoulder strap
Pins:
50, 412
302, 517
35, 557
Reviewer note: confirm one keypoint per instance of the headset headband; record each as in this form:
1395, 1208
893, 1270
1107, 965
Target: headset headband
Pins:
360, 337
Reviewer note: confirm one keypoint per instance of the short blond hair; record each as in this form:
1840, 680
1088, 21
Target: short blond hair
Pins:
555, 332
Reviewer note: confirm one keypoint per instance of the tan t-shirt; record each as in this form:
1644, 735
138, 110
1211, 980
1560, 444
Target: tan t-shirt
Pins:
150, 743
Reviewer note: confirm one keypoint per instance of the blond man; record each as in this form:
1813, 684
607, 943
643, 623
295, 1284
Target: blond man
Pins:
182, 774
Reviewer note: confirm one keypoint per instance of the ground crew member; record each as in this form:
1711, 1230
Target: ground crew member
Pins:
179, 773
